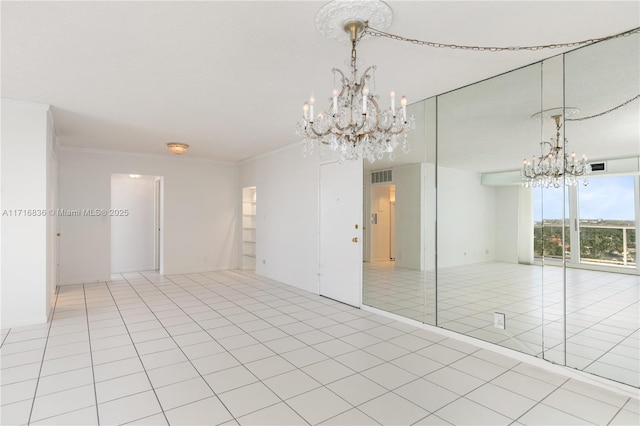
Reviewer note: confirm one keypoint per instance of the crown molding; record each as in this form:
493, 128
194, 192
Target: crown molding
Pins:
269, 153
77, 149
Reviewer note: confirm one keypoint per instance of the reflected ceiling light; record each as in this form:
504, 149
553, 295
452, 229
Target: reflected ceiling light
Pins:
555, 165
177, 148
135, 176
354, 126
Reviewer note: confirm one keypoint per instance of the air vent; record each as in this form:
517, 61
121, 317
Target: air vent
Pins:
598, 167
381, 176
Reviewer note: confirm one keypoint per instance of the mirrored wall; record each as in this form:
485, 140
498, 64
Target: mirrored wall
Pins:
601, 277
454, 239
399, 238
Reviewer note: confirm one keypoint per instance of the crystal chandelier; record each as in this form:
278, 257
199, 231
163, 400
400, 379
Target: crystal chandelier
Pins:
354, 126
556, 166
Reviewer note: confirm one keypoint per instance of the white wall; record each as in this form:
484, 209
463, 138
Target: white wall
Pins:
466, 219
525, 226
133, 232
507, 219
25, 271
201, 209
429, 216
409, 220
287, 219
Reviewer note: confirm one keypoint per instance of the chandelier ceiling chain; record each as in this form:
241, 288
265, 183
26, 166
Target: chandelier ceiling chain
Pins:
378, 33
600, 114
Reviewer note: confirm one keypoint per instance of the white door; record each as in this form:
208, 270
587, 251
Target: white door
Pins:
340, 271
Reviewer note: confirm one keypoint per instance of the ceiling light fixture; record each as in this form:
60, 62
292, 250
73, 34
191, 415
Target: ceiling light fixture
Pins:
177, 148
132, 176
354, 126
555, 166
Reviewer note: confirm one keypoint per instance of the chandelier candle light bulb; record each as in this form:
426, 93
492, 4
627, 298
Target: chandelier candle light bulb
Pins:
403, 103
392, 95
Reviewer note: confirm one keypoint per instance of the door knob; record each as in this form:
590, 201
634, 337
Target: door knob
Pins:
354, 239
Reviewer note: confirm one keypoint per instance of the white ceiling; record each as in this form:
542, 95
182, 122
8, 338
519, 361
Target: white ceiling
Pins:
229, 78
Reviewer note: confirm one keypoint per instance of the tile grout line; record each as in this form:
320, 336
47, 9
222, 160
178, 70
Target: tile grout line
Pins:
44, 352
463, 395
295, 368
136, 349
226, 350
619, 411
355, 373
4, 338
177, 345
490, 382
93, 374
608, 350
541, 402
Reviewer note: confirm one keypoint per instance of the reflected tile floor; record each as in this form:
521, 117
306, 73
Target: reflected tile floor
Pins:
233, 348
603, 310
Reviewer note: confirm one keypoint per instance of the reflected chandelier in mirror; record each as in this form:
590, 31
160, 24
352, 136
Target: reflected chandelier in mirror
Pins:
556, 165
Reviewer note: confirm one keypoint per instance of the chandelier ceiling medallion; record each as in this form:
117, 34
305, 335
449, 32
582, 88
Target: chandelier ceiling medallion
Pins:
354, 126
555, 165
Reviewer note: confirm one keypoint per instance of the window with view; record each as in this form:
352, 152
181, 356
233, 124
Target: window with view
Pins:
599, 219
607, 221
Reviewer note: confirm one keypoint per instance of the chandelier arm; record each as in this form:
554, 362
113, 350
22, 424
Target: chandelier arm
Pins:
339, 127
359, 127
318, 134
552, 147
543, 157
343, 79
365, 73
378, 33
349, 126
397, 132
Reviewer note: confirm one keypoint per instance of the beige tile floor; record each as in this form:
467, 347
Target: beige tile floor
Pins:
233, 348
603, 310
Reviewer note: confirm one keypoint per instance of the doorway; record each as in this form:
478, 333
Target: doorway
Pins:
136, 223
249, 204
382, 222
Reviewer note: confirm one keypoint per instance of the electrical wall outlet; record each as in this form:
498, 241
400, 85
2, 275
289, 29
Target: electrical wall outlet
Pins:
499, 320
